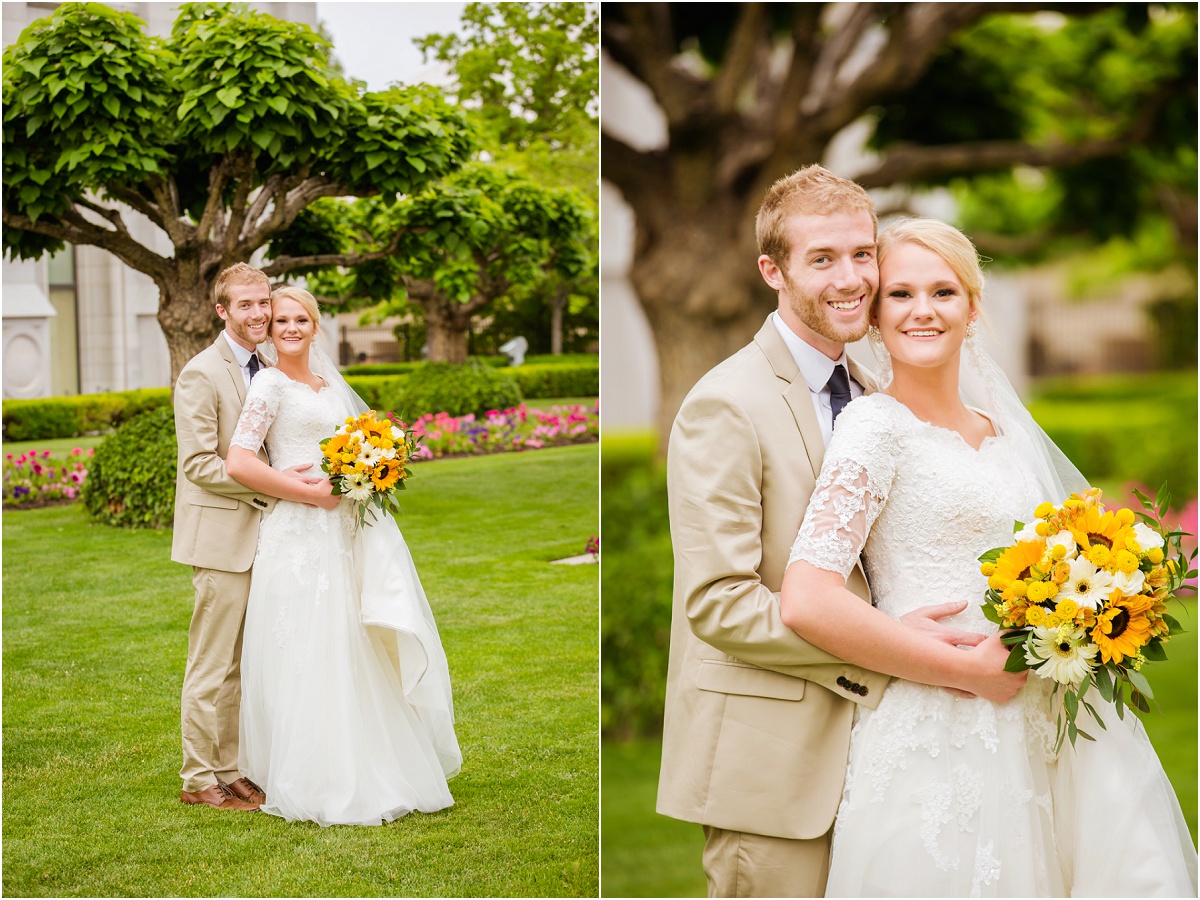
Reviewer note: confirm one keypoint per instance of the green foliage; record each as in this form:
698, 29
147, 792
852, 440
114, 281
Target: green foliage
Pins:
556, 380
636, 570
1118, 429
1095, 73
530, 69
131, 479
457, 390
63, 417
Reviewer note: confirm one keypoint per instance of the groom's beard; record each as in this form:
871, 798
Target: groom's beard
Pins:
813, 311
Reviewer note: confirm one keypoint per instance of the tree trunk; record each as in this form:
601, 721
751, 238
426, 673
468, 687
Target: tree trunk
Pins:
189, 321
558, 303
446, 326
704, 298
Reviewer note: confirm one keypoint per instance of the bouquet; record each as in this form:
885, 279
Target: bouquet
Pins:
1085, 592
367, 461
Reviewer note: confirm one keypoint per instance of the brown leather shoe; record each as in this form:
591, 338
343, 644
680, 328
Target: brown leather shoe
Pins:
218, 796
247, 790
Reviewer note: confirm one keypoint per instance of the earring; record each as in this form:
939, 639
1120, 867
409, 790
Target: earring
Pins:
874, 335
970, 329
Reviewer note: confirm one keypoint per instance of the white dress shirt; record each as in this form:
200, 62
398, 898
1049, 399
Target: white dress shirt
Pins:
243, 357
815, 369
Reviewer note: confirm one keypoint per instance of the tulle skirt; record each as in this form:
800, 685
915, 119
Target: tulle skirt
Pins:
949, 797
346, 713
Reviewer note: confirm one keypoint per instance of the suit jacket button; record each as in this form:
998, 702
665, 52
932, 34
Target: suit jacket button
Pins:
855, 687
862, 690
843, 681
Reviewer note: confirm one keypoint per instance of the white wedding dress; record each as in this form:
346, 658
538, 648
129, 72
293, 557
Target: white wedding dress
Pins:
949, 797
346, 715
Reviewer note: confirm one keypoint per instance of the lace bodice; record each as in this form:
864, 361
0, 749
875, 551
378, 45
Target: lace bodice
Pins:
290, 417
920, 505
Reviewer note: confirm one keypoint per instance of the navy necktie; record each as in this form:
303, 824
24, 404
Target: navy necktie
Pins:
253, 366
839, 390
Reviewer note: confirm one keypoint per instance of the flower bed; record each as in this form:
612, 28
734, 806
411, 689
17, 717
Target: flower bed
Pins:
37, 478
515, 429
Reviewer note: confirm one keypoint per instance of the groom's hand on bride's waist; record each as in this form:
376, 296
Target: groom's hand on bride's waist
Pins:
314, 490
926, 619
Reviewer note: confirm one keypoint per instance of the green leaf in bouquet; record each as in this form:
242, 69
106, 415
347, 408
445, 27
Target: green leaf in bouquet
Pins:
1095, 715
991, 613
1154, 651
1163, 500
1173, 623
1104, 683
1136, 699
1084, 734
1016, 660
1142, 498
1138, 680
1018, 526
1119, 699
992, 555
1010, 638
1071, 703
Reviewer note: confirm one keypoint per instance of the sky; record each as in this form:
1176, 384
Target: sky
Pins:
374, 41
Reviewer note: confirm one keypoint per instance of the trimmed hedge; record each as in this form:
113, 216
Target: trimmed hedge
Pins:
539, 381
63, 417
131, 479
587, 360
456, 390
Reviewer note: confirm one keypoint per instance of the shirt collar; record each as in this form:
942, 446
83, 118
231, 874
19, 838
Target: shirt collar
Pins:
814, 365
240, 353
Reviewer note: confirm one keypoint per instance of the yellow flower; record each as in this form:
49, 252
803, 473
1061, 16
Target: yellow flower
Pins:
1045, 529
1036, 592
1044, 510
1089, 527
1155, 555
1058, 551
1125, 516
1123, 627
1035, 615
1124, 561
1015, 590
988, 569
1068, 609
1015, 562
1098, 555
996, 583
1051, 590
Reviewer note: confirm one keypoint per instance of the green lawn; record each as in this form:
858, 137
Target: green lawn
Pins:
648, 855
95, 635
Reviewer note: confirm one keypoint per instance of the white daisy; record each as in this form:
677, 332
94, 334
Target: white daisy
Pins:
1062, 653
1086, 585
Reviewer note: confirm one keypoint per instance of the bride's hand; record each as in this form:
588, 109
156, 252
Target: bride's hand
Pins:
296, 472
989, 678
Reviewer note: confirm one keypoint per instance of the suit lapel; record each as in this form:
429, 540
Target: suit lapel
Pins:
231, 364
796, 393
863, 376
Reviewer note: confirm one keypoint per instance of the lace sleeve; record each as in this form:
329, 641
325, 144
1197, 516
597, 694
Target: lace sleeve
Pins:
850, 491
262, 402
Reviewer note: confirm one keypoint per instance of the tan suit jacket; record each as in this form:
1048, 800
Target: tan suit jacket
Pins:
216, 518
757, 725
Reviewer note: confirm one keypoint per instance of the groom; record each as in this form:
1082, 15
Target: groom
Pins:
216, 533
757, 724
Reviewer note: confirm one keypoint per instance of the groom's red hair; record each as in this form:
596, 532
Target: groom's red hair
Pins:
813, 190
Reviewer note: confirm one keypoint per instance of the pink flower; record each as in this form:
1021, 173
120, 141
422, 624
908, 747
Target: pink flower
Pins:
76, 451
91, 451
45, 454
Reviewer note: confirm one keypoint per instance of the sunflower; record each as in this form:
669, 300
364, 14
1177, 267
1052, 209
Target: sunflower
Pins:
1015, 562
1123, 626
1090, 527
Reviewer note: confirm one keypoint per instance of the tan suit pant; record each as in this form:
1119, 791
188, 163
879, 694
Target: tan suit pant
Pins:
212, 685
738, 864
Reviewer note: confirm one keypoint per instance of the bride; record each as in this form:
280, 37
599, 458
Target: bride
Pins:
945, 794
346, 708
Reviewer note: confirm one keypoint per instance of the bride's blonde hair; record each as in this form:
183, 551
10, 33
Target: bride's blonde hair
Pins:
947, 242
301, 296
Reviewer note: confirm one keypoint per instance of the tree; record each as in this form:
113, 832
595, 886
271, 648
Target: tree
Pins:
221, 136
476, 236
751, 92
529, 75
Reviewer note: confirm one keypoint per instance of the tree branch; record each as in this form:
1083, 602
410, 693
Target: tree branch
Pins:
636, 173
739, 57
134, 200
284, 264
907, 162
111, 215
651, 38
75, 229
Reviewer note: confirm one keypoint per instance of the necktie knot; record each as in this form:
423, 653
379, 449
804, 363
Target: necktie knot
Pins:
839, 390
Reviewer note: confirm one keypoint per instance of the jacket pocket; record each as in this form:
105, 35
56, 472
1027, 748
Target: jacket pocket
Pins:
205, 498
740, 678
